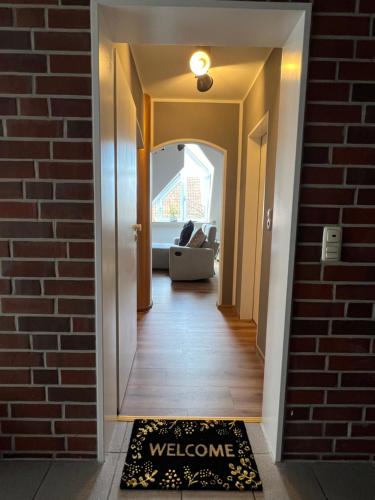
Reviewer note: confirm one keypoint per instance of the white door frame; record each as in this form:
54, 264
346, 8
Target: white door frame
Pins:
190, 140
251, 216
217, 22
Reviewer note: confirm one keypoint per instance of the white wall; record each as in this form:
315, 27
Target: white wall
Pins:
165, 164
217, 159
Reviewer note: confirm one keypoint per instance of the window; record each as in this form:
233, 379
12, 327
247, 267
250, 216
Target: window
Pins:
188, 194
168, 204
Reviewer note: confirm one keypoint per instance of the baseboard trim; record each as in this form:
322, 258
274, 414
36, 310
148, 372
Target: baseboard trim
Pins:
226, 307
145, 309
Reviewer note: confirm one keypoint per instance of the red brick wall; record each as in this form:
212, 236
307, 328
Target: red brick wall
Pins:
46, 237
47, 340
331, 384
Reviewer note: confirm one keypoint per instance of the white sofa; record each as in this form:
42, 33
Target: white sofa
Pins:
185, 263
160, 255
190, 264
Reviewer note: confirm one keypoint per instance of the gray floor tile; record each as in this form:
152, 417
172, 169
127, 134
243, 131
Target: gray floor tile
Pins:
300, 482
216, 495
273, 485
88, 480
126, 441
69, 480
256, 438
118, 435
346, 481
105, 477
148, 495
20, 480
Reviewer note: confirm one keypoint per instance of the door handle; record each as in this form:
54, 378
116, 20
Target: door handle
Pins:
137, 228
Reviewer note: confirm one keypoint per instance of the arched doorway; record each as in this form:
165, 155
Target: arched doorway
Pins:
168, 159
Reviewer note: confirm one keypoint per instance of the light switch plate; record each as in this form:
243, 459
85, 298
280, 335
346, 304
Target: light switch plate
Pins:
331, 244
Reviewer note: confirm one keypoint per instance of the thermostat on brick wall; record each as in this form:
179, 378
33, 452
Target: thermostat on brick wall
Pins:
331, 245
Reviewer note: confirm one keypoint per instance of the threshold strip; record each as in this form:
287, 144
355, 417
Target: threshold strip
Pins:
130, 418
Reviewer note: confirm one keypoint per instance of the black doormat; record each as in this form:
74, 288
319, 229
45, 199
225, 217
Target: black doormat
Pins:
190, 455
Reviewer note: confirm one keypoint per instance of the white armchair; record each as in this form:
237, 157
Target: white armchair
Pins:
189, 264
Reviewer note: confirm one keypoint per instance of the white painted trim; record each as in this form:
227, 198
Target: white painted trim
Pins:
237, 215
98, 239
222, 239
293, 236
220, 4
292, 90
300, 13
185, 140
137, 69
261, 128
251, 207
209, 101
152, 115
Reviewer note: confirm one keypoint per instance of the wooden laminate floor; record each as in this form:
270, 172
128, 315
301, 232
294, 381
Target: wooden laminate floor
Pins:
192, 359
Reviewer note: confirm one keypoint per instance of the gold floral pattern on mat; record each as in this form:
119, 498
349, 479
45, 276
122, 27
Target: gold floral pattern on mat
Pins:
171, 480
244, 474
148, 475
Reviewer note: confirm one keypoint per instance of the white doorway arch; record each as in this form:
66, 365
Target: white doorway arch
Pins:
190, 140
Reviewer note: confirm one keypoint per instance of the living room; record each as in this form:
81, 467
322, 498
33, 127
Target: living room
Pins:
187, 190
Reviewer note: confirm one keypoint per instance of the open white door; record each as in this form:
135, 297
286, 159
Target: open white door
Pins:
126, 218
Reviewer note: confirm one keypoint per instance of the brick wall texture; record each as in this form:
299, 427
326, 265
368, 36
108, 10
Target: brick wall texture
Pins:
47, 340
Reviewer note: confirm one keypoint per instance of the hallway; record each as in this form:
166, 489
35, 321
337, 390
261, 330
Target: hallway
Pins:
193, 359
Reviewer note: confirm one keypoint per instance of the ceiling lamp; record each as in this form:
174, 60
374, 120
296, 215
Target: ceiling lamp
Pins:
200, 64
204, 82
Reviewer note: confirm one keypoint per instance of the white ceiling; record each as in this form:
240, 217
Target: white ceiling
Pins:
165, 73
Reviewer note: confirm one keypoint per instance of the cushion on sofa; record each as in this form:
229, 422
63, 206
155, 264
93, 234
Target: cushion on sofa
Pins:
197, 239
186, 233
